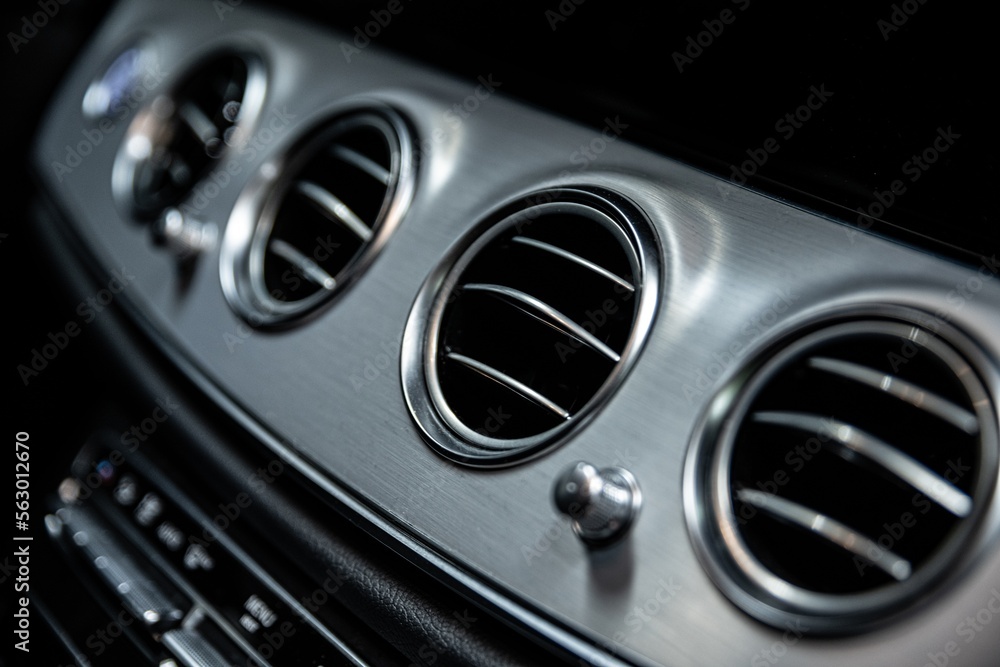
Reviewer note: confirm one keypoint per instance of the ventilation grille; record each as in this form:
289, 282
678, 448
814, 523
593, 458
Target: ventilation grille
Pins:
853, 467
177, 140
536, 321
313, 230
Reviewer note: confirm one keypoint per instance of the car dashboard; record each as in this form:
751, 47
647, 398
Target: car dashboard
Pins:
379, 364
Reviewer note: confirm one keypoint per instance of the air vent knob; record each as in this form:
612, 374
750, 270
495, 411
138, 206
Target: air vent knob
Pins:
183, 234
602, 503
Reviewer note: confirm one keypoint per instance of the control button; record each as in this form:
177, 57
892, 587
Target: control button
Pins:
602, 503
140, 594
170, 535
249, 624
184, 235
126, 491
149, 509
260, 611
197, 558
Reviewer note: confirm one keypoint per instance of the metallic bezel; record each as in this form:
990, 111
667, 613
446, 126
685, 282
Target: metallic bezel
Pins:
253, 216
709, 510
147, 127
442, 429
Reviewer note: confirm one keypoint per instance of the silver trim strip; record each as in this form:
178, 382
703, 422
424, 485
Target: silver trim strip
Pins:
548, 314
830, 529
576, 259
362, 162
335, 209
139, 593
509, 382
901, 389
309, 268
192, 649
901, 465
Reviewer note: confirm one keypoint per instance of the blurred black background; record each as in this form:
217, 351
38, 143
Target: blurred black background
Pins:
703, 82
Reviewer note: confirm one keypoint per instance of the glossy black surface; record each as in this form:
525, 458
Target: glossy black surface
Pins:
712, 83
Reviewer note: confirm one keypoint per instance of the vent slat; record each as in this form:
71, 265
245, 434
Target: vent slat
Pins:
362, 162
546, 313
829, 529
175, 142
858, 432
510, 383
306, 266
529, 327
328, 214
335, 209
200, 124
901, 389
576, 259
904, 467
302, 234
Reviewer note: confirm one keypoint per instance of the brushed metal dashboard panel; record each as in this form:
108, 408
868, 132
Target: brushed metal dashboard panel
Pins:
740, 269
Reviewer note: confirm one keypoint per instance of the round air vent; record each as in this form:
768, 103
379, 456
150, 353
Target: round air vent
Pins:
845, 475
316, 217
178, 138
529, 324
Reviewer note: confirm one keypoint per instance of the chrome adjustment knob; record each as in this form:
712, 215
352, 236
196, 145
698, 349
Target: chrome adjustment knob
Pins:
183, 234
602, 503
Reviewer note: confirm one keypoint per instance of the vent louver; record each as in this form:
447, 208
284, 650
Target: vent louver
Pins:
847, 474
175, 142
314, 228
534, 323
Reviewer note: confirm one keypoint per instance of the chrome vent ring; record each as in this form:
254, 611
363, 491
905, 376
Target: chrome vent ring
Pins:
314, 218
174, 142
529, 324
845, 475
